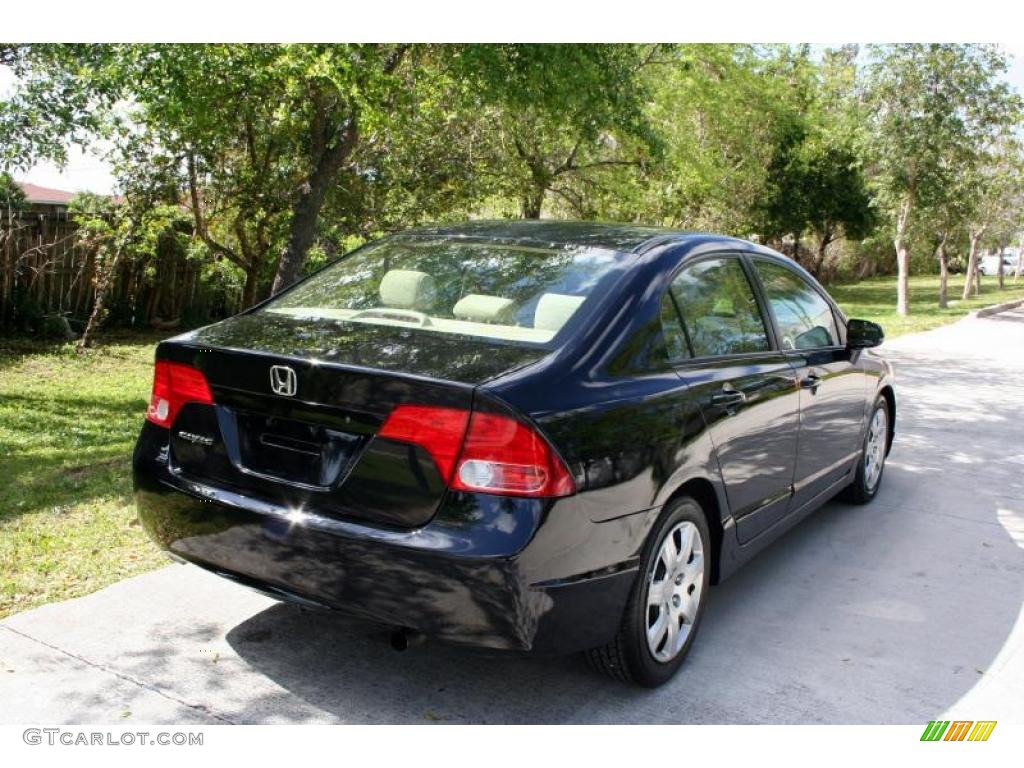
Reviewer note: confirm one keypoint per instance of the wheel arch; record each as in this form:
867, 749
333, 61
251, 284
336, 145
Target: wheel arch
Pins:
702, 491
890, 401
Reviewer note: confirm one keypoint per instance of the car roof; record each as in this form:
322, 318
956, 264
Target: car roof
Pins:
633, 238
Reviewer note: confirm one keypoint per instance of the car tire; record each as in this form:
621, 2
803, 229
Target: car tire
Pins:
868, 479
629, 657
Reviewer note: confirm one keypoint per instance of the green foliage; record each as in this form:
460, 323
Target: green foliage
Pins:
930, 110
712, 111
11, 197
115, 230
110, 228
558, 116
279, 151
62, 99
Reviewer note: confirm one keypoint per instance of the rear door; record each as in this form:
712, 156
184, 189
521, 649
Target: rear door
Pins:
745, 388
832, 385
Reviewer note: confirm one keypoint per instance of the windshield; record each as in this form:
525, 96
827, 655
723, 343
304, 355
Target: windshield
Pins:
492, 290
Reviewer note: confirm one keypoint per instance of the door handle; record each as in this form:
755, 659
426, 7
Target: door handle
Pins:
728, 396
811, 381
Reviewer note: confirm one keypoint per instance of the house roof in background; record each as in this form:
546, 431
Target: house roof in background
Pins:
36, 194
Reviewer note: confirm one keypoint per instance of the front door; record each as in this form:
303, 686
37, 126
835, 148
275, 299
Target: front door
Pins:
832, 385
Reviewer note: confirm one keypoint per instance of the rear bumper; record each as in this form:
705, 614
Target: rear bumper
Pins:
507, 574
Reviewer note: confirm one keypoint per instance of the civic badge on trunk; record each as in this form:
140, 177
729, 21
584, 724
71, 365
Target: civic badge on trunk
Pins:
283, 380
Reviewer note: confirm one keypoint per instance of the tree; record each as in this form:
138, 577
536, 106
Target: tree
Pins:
818, 186
816, 181
265, 131
561, 115
261, 131
840, 203
753, 142
115, 229
52, 108
349, 90
927, 104
790, 87
266, 135
993, 198
712, 121
276, 151
942, 226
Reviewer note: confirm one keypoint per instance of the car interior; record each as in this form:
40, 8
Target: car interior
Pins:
410, 298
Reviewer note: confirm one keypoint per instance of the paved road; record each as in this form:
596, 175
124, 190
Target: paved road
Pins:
892, 613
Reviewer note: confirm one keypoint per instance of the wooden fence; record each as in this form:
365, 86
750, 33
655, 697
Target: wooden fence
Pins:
44, 273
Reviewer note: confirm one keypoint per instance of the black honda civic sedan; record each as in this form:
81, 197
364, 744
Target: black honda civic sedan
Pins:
533, 436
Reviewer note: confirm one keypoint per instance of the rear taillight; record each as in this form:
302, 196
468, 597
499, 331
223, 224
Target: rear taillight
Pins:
175, 384
502, 455
482, 452
438, 430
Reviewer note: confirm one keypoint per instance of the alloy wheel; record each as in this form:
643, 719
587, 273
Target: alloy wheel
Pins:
674, 588
874, 450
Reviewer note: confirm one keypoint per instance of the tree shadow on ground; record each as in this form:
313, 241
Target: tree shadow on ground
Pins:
859, 615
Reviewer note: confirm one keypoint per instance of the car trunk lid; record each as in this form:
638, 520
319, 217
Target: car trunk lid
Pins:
291, 424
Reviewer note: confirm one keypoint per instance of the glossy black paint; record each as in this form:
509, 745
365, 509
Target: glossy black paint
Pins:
863, 334
369, 527
407, 351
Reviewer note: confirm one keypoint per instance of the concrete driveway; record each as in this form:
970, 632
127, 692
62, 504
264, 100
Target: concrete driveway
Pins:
898, 612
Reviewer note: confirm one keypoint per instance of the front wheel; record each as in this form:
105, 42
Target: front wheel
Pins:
667, 602
872, 463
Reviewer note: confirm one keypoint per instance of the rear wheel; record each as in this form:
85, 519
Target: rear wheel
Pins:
667, 602
872, 463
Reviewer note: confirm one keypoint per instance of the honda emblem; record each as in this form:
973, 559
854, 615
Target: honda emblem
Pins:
283, 380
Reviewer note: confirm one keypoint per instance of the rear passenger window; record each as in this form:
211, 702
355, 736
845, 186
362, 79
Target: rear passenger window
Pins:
803, 315
719, 308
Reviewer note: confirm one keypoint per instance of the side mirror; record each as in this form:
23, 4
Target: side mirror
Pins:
861, 334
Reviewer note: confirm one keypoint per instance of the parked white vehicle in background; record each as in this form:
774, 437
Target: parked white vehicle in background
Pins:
990, 264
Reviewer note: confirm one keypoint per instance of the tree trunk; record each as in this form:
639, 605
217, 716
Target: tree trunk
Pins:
903, 258
972, 264
531, 206
943, 257
252, 277
1020, 260
329, 154
819, 257
1000, 271
531, 203
103, 283
306, 210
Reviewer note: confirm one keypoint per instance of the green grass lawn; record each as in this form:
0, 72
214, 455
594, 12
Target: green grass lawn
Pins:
67, 426
68, 423
875, 299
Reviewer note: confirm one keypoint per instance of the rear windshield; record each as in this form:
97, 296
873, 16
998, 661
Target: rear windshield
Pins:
512, 293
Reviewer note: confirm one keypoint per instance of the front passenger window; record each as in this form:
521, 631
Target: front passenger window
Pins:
804, 317
719, 308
